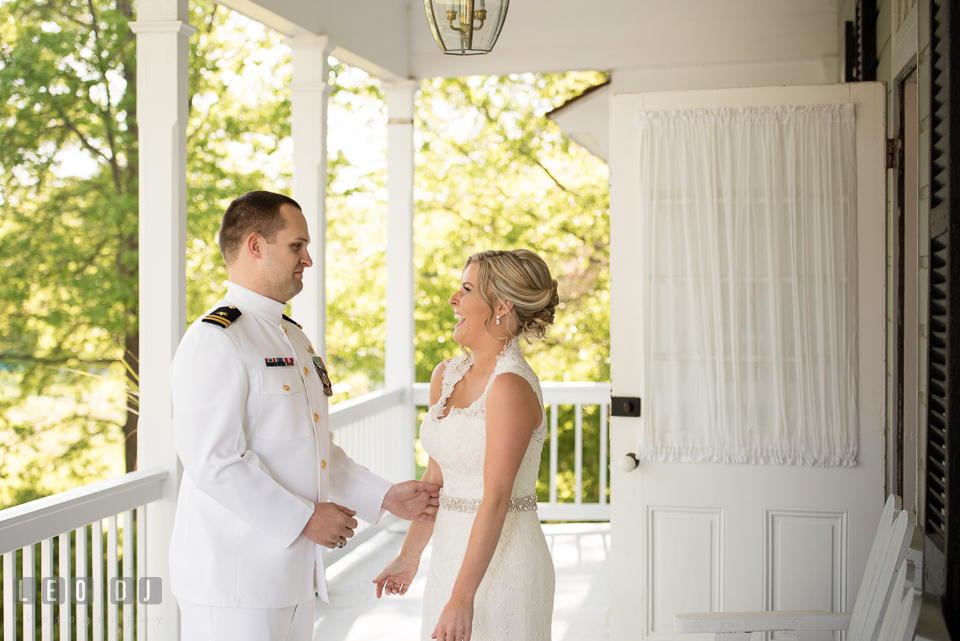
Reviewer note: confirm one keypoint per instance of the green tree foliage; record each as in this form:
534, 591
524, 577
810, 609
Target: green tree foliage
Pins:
494, 173
68, 298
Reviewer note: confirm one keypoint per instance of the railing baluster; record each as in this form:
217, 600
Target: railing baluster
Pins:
578, 456
28, 559
65, 598
603, 454
80, 608
99, 588
554, 452
9, 595
46, 608
112, 609
141, 564
128, 573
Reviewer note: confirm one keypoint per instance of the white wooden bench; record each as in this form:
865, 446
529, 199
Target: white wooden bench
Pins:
897, 538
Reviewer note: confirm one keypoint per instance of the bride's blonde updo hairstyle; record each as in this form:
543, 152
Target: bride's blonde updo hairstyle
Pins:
522, 278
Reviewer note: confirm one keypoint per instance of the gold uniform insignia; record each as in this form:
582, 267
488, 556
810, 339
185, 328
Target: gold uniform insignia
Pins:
222, 316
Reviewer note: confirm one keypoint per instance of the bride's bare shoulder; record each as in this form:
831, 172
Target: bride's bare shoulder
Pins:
512, 395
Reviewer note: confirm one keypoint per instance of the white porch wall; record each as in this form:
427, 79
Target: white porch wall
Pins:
163, 34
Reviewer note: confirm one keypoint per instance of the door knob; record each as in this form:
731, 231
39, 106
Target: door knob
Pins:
629, 462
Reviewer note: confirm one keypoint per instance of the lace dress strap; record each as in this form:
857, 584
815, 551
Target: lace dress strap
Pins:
453, 371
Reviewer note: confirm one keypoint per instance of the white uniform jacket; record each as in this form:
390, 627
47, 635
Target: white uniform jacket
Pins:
250, 418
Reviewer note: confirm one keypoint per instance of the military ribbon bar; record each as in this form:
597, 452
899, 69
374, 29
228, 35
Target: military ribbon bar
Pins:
279, 362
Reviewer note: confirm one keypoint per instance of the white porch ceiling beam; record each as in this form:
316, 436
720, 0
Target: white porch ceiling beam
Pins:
372, 35
163, 35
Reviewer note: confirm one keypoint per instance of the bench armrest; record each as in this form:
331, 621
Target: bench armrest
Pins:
745, 622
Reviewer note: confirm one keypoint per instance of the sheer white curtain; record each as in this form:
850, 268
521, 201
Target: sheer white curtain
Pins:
749, 285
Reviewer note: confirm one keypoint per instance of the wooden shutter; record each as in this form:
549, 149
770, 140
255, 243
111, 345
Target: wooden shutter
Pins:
861, 44
942, 507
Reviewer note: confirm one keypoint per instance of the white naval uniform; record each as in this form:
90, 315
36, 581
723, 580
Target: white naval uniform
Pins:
256, 452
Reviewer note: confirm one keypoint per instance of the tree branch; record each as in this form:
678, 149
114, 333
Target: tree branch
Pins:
547, 172
83, 139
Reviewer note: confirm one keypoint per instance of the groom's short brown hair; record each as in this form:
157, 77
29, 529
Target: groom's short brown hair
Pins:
255, 212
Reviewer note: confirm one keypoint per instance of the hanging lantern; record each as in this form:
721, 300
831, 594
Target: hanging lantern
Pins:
466, 27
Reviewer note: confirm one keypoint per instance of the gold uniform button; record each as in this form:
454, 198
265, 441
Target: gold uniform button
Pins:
286, 388
323, 464
284, 330
310, 348
316, 417
306, 372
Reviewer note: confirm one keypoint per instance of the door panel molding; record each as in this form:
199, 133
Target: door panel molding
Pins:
685, 554
805, 554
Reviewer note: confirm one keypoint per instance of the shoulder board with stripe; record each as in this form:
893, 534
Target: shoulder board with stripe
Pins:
290, 320
222, 316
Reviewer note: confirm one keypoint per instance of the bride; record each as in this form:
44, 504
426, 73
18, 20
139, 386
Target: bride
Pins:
491, 576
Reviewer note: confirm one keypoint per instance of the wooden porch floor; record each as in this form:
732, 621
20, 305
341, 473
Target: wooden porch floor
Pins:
581, 556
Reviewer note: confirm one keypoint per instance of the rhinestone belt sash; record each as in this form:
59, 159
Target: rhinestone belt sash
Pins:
469, 506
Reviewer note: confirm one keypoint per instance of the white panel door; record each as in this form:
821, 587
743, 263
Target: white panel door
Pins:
689, 537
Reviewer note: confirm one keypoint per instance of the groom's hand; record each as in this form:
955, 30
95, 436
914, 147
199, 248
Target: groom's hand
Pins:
413, 500
329, 523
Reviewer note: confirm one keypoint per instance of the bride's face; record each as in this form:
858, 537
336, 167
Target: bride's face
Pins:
470, 311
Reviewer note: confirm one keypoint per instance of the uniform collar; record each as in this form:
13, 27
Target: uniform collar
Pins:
249, 300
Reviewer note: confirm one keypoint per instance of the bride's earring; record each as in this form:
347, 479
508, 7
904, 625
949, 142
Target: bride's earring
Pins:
498, 319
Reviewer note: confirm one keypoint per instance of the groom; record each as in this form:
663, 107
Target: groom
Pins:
264, 486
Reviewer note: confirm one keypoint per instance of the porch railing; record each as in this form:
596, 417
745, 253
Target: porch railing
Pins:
375, 429
98, 531
74, 529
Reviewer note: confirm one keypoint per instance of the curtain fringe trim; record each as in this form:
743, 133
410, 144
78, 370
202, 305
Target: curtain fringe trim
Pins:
667, 455
737, 116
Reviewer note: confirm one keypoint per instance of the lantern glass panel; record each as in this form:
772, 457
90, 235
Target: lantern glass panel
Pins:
454, 30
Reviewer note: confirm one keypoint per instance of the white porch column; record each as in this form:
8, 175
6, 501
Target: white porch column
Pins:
309, 133
162, 93
400, 370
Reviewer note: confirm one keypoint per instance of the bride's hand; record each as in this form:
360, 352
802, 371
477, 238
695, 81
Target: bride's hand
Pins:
396, 577
456, 621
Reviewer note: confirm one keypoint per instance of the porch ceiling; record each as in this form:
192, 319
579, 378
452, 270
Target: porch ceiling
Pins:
391, 39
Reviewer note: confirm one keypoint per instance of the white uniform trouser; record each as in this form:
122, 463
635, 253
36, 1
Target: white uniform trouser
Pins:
212, 623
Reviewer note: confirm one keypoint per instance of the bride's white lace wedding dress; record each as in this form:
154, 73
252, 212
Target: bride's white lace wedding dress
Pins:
515, 598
